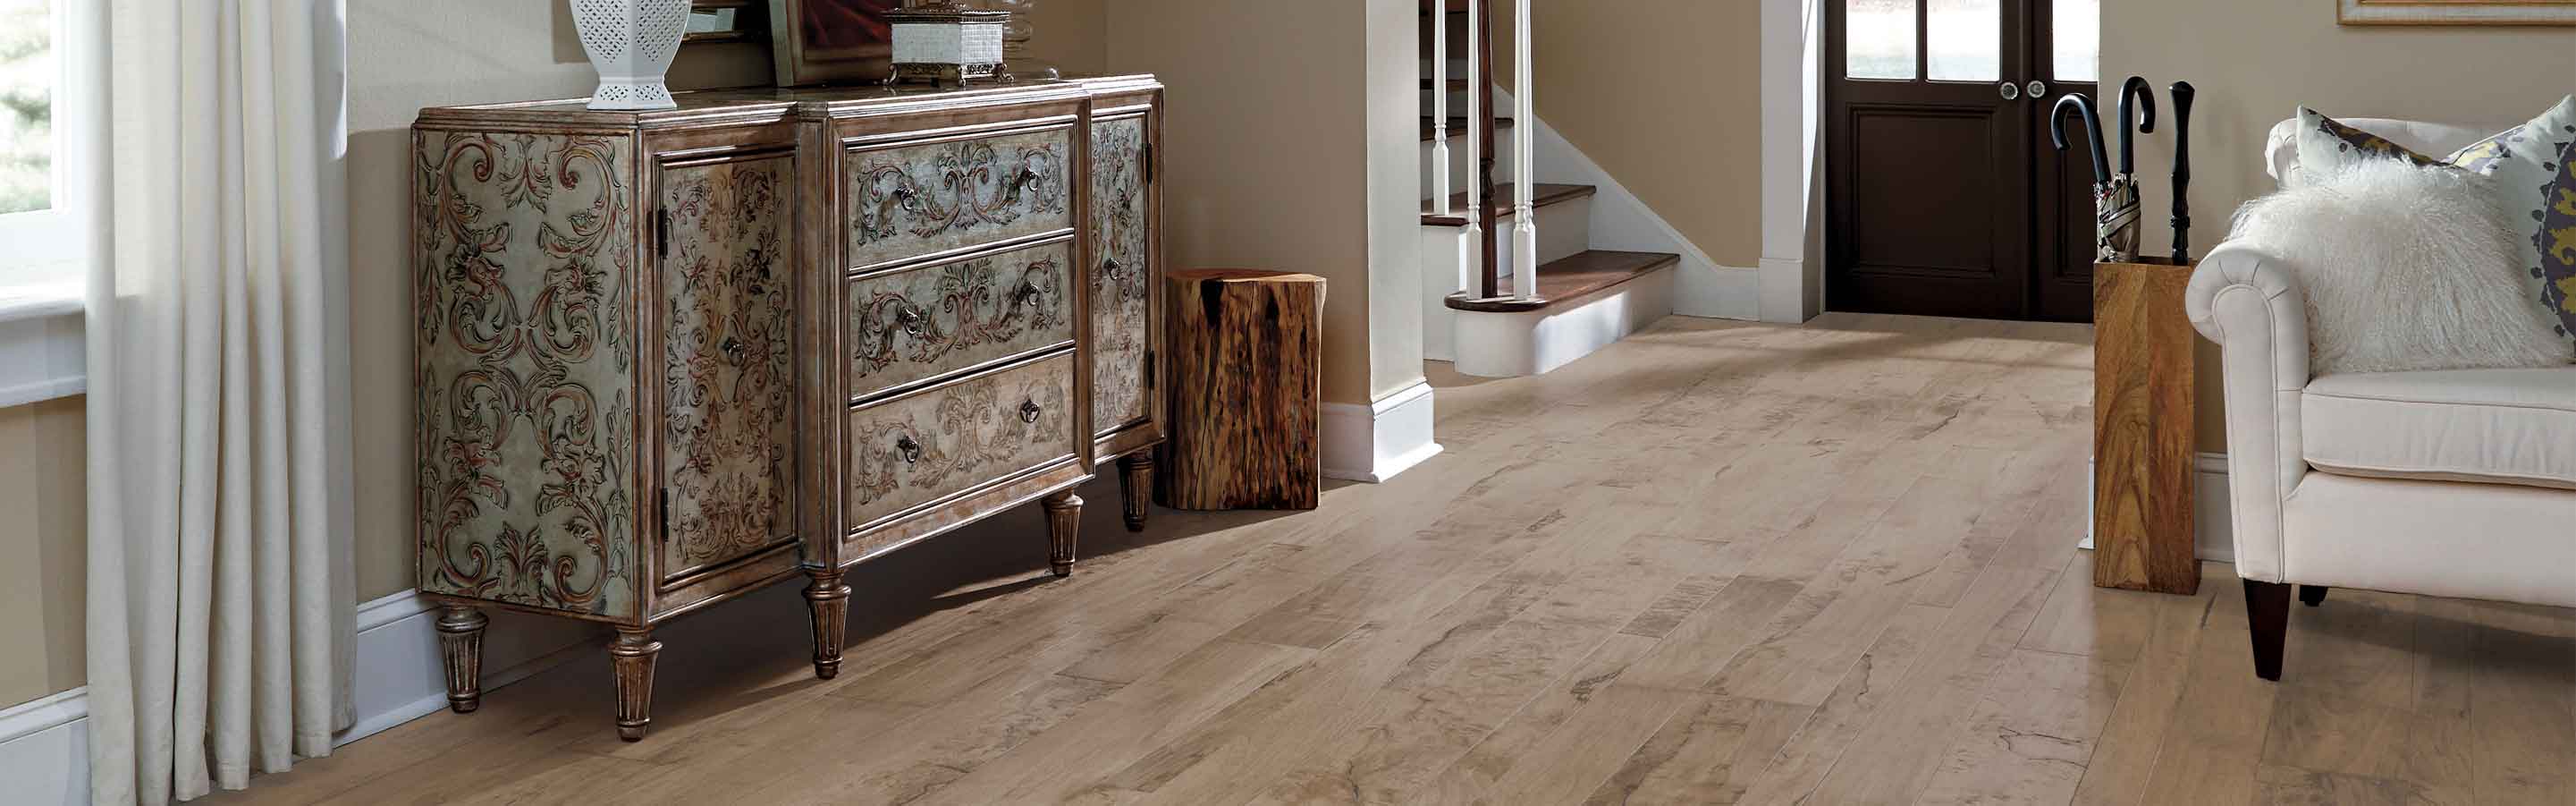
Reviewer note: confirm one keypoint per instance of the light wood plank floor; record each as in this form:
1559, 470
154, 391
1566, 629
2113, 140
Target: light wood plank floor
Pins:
1714, 563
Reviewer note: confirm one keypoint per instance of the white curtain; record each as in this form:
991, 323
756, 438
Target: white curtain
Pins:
221, 601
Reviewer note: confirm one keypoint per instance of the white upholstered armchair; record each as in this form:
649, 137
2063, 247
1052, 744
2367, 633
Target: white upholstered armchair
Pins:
2449, 483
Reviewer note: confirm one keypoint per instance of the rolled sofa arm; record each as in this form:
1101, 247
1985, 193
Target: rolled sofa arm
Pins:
2249, 304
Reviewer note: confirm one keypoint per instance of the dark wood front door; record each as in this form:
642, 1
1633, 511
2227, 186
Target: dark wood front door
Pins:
1943, 196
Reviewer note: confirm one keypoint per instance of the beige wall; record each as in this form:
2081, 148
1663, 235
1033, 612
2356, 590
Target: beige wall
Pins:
1266, 147
2256, 63
43, 518
1666, 96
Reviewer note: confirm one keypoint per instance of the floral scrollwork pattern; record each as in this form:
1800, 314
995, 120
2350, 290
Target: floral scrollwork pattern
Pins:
728, 352
915, 200
915, 449
1121, 280
524, 347
917, 323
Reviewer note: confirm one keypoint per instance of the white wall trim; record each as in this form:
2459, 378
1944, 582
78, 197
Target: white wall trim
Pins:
1621, 221
42, 353
1375, 442
44, 744
1792, 288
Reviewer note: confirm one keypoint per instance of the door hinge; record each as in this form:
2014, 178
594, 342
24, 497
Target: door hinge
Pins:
661, 233
1147, 160
663, 523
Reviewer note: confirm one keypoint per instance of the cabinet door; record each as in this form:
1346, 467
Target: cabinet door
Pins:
523, 273
1123, 274
728, 361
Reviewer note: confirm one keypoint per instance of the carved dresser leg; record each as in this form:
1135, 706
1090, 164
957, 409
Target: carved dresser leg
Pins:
1136, 483
460, 640
633, 654
831, 602
1064, 524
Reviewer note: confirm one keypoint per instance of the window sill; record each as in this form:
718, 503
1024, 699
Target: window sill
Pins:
42, 352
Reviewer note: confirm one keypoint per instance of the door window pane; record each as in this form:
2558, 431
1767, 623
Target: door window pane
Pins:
2077, 34
1878, 38
1966, 38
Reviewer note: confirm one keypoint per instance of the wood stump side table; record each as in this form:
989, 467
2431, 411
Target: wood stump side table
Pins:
2142, 428
1246, 387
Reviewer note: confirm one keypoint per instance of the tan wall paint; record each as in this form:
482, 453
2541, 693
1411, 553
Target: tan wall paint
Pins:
1265, 148
2256, 63
1666, 95
42, 467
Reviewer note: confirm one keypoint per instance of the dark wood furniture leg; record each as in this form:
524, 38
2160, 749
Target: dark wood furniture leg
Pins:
2267, 619
1136, 484
633, 654
831, 603
2313, 595
1064, 524
460, 640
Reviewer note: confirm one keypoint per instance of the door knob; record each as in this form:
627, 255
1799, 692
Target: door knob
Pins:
2038, 88
2011, 91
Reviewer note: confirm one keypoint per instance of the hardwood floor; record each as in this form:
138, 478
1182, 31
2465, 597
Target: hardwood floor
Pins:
1714, 563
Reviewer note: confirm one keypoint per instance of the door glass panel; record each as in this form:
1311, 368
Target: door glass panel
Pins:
2077, 38
1878, 38
1966, 38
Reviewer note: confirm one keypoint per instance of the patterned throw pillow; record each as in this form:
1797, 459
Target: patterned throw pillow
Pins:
2528, 164
2556, 240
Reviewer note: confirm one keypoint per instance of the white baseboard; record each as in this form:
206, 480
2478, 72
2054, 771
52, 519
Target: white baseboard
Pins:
44, 745
1375, 442
1719, 292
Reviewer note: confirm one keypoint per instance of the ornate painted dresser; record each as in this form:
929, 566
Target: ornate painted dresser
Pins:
666, 358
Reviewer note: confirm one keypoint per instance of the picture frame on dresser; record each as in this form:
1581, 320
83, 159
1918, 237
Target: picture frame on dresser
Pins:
668, 358
831, 41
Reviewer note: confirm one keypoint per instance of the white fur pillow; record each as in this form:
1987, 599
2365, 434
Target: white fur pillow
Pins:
2405, 268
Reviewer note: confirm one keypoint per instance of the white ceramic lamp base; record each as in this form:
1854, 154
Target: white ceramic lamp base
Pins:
631, 43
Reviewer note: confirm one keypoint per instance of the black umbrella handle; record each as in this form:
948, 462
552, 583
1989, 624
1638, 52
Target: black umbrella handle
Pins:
2137, 96
2183, 94
2092, 128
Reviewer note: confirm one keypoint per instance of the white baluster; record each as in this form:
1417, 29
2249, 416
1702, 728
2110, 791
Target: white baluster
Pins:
1470, 254
1524, 201
1440, 109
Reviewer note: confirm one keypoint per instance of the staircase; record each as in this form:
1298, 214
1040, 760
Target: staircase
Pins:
1492, 316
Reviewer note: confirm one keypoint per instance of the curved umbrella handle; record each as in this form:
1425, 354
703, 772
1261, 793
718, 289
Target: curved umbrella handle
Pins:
2135, 92
2092, 128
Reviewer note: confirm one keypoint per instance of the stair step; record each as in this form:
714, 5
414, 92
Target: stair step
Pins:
1567, 281
1455, 84
1542, 195
1458, 126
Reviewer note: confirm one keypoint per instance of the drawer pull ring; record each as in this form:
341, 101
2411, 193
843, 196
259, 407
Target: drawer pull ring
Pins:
910, 318
1026, 294
1110, 268
1029, 177
910, 449
1029, 411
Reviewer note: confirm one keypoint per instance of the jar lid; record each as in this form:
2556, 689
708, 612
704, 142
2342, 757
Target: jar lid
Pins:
945, 11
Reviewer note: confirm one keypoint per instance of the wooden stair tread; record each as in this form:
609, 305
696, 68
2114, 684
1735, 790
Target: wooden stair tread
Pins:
1458, 126
1542, 195
1455, 84
1567, 281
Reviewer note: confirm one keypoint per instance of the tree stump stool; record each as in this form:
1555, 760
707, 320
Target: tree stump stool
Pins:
1245, 376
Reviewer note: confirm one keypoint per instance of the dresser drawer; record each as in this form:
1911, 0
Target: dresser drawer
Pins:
956, 436
909, 201
912, 324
